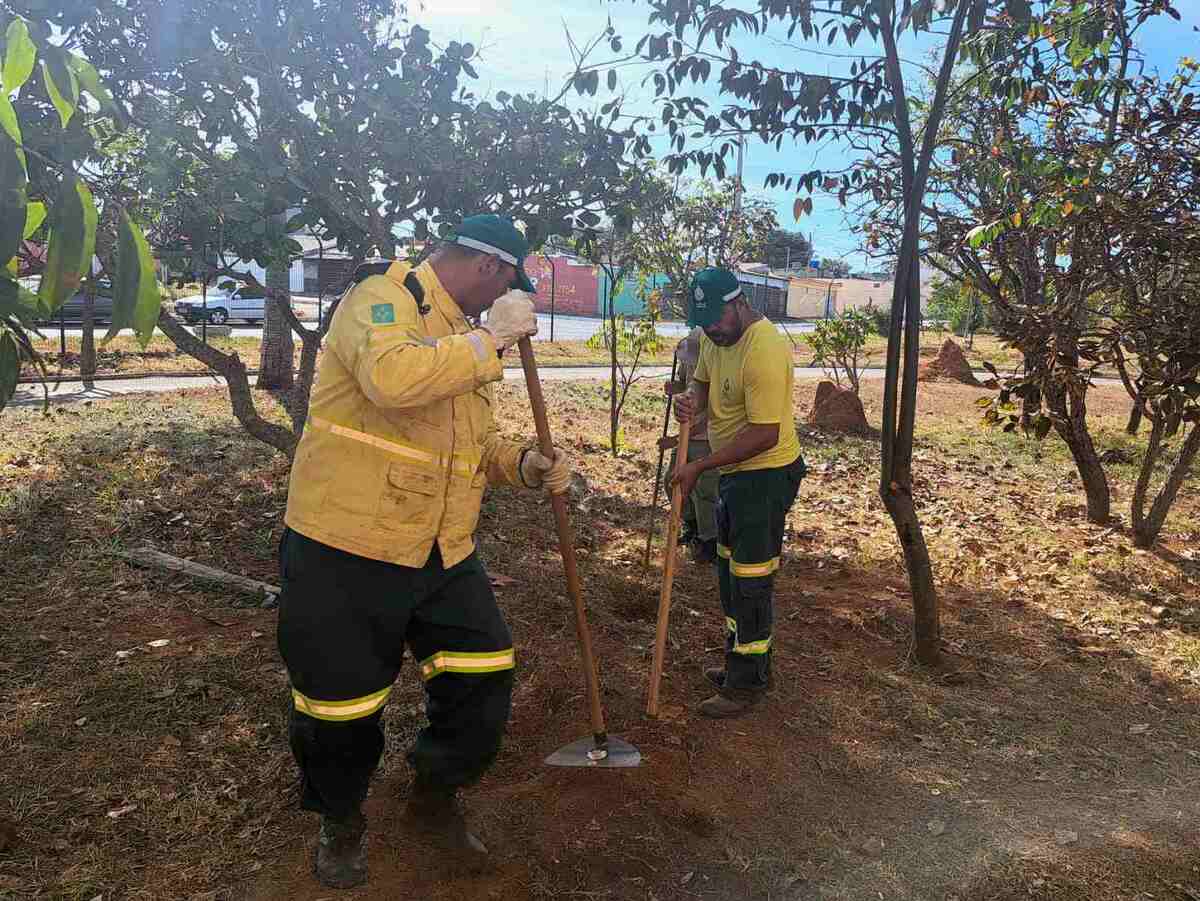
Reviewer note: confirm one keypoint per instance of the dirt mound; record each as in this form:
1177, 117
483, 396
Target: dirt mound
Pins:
838, 410
949, 365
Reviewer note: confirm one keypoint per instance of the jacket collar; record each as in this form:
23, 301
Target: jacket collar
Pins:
436, 294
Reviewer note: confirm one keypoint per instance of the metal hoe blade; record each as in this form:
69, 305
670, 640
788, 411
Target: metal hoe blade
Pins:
610, 753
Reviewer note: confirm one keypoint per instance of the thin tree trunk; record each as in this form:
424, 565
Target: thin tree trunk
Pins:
233, 370
87, 349
1070, 421
895, 484
1137, 504
614, 412
275, 371
1135, 419
1146, 526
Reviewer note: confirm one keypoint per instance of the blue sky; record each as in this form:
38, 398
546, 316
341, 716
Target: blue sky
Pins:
523, 48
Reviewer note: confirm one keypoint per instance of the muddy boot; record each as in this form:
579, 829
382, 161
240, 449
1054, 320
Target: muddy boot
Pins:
723, 706
437, 814
341, 852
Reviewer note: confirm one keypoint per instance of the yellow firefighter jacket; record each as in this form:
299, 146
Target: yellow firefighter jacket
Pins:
400, 442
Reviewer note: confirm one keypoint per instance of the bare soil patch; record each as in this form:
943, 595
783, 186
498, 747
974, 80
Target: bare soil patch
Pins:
1053, 757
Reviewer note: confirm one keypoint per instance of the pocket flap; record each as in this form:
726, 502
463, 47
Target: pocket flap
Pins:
414, 479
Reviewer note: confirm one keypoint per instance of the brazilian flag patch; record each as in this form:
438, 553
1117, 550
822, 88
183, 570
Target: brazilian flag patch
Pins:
383, 314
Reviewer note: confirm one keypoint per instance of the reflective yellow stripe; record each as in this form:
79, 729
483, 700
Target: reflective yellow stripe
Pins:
724, 551
731, 624
393, 447
353, 709
753, 570
471, 662
753, 647
466, 462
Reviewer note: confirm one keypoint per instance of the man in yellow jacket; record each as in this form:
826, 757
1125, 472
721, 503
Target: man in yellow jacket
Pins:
379, 553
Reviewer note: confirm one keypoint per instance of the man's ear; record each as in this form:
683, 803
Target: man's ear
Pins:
488, 265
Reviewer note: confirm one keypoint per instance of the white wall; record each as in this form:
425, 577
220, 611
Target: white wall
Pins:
295, 274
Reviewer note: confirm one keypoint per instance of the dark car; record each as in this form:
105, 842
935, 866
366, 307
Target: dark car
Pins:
72, 308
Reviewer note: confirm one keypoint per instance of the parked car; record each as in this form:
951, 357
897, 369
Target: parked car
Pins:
247, 303
72, 308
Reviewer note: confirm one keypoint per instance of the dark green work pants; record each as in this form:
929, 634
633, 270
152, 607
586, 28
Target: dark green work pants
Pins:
344, 622
751, 516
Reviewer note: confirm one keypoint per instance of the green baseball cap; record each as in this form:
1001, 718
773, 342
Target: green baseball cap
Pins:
495, 235
708, 293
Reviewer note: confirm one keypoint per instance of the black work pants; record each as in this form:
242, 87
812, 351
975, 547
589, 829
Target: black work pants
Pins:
752, 510
344, 622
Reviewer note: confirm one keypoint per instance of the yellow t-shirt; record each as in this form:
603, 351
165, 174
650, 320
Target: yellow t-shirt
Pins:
750, 383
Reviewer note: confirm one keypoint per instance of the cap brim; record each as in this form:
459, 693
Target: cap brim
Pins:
522, 281
705, 318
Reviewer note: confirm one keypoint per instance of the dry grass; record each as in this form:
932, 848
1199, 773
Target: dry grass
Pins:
1052, 758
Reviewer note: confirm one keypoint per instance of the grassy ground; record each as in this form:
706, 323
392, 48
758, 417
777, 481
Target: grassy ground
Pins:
1052, 757
123, 356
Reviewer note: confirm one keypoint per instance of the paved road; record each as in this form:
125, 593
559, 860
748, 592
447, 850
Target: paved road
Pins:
73, 392
566, 328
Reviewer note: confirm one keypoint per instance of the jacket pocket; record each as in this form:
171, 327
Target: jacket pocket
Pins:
411, 498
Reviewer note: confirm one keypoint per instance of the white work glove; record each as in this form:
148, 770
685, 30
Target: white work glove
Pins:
537, 471
511, 318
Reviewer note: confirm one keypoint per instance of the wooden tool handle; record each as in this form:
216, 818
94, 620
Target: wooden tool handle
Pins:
658, 474
566, 542
664, 598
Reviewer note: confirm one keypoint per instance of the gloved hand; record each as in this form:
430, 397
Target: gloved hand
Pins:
555, 474
511, 318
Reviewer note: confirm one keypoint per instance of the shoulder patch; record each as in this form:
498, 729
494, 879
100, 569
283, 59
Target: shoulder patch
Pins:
383, 313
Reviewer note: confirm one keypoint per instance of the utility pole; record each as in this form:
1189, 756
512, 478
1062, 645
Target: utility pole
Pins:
737, 189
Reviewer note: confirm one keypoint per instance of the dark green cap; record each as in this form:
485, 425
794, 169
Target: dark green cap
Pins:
708, 293
495, 235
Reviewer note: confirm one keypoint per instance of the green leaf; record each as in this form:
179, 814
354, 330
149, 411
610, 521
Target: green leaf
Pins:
89, 80
35, 214
8, 120
18, 302
19, 55
10, 367
136, 301
72, 242
13, 183
61, 84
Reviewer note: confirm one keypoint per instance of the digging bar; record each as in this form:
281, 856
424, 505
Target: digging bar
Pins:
658, 476
668, 578
601, 749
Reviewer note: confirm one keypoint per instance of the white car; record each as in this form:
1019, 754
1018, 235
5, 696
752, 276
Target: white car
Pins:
247, 303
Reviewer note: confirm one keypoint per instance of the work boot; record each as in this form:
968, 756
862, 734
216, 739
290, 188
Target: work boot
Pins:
723, 706
437, 813
704, 551
716, 675
341, 852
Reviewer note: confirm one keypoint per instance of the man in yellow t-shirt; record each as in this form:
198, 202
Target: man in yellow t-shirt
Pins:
744, 382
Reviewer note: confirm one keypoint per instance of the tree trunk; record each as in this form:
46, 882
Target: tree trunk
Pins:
1135, 419
234, 371
1146, 526
275, 371
87, 348
895, 482
614, 411
1070, 421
